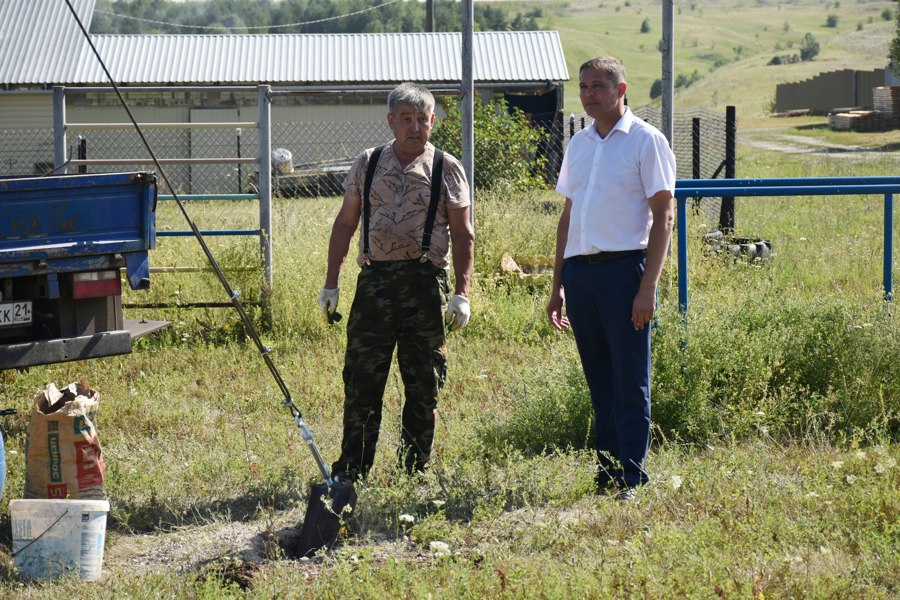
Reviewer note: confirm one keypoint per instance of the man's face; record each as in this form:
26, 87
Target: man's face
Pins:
599, 95
411, 128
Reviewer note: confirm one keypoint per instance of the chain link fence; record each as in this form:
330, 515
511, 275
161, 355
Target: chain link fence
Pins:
699, 144
321, 155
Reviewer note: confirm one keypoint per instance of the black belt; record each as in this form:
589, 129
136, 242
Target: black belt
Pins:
602, 257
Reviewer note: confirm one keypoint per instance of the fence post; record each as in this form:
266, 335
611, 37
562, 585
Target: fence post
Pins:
726, 214
265, 188
681, 231
695, 147
82, 153
888, 247
59, 129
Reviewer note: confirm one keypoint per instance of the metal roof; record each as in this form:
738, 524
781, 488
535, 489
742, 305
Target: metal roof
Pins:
298, 59
40, 37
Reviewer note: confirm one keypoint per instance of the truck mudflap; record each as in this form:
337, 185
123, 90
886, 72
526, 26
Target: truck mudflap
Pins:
44, 352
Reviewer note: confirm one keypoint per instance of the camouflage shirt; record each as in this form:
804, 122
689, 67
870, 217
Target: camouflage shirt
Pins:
399, 201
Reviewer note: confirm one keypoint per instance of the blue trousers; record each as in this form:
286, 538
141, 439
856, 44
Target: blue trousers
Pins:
616, 362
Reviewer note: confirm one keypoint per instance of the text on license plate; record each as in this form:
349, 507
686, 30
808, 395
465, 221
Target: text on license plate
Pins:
15, 313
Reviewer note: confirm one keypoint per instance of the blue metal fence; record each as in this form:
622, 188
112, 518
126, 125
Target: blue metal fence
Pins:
810, 186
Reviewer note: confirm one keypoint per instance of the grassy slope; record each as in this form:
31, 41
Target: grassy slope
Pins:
744, 34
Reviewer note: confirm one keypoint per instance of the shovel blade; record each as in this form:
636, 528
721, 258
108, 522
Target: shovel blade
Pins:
322, 523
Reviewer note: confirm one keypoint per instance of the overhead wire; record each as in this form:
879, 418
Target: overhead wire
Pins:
254, 28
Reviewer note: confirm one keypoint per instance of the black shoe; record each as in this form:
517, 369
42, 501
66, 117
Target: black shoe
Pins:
604, 483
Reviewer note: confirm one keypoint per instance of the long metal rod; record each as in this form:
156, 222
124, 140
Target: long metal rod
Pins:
191, 125
888, 276
59, 130
467, 98
164, 161
210, 232
162, 197
233, 296
809, 186
786, 181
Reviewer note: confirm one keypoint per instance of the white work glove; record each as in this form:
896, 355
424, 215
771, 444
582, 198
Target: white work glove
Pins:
458, 312
328, 301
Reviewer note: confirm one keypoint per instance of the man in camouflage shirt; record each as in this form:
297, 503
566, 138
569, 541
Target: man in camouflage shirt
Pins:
402, 292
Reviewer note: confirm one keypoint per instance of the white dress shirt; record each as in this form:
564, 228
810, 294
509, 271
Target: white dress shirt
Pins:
609, 181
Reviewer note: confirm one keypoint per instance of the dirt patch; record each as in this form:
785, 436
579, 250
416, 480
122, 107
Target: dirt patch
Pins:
191, 548
796, 144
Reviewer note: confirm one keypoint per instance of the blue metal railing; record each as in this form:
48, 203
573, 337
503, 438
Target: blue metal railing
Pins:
211, 232
686, 189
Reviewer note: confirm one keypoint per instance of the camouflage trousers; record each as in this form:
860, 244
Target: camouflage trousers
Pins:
397, 303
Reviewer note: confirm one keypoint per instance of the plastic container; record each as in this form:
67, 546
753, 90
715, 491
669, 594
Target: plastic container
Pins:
55, 537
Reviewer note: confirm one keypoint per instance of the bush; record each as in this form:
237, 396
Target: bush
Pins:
809, 47
797, 370
831, 21
506, 145
645, 26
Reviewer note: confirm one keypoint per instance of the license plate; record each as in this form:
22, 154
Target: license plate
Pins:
15, 313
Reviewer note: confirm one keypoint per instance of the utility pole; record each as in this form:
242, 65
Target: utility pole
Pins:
429, 15
467, 99
668, 68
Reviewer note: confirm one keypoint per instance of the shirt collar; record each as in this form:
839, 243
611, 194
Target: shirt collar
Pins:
623, 124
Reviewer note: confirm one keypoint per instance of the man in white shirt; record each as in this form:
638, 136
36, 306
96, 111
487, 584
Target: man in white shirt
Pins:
618, 177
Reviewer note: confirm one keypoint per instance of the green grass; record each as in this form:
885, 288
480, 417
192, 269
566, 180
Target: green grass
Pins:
775, 461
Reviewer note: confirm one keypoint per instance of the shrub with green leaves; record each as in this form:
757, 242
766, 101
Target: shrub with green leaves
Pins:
507, 145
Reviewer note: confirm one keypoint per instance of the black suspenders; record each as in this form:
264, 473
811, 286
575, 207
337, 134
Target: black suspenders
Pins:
437, 171
370, 173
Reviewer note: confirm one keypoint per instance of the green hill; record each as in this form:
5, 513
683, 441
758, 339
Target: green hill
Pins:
722, 45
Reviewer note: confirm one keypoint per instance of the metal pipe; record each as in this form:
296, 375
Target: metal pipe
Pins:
210, 197
59, 129
191, 125
805, 190
162, 161
209, 232
888, 247
785, 181
668, 69
682, 256
265, 187
467, 99
810, 186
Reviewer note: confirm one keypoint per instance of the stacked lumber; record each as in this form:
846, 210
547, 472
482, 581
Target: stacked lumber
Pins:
887, 101
857, 120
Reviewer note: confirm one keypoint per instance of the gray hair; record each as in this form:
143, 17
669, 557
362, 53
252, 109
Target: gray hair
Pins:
612, 67
413, 94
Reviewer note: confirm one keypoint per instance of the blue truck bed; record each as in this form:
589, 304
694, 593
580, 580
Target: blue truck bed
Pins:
63, 242
62, 223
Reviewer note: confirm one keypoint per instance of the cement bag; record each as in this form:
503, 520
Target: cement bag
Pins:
62, 451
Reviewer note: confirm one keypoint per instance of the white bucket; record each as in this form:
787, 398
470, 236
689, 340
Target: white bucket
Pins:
54, 537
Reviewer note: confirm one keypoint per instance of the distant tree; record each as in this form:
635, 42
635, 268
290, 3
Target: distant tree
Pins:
319, 16
645, 26
887, 14
894, 54
809, 47
656, 89
831, 21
